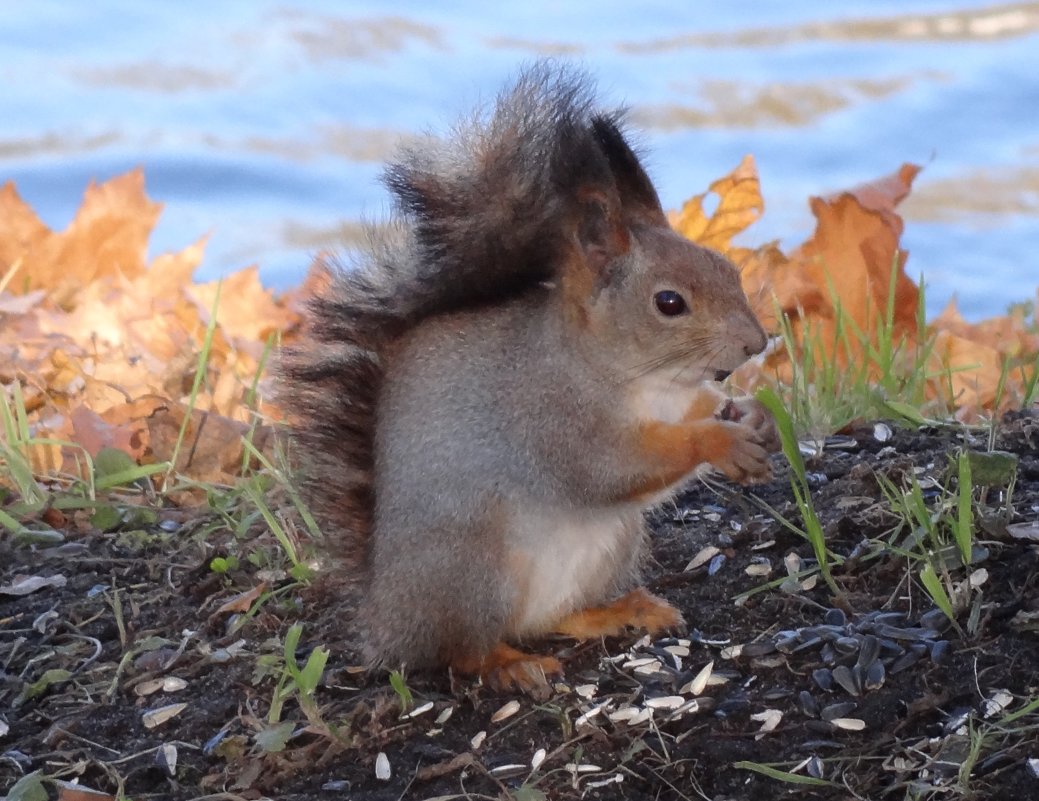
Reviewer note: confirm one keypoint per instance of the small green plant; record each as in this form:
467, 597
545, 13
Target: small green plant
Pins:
940, 533
813, 530
403, 691
298, 682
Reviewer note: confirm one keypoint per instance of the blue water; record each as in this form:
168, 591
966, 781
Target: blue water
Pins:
264, 123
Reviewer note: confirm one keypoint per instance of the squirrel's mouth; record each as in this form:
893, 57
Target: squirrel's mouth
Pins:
721, 375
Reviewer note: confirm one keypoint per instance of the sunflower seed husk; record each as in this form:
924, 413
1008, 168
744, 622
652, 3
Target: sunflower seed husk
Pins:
156, 717
166, 759
702, 557
940, 651
768, 718
849, 724
506, 771
538, 758
444, 716
625, 714
834, 711
383, 772
760, 566
477, 740
506, 711
699, 681
999, 701
419, 710
665, 702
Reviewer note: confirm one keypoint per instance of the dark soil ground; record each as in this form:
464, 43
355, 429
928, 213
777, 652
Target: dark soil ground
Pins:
804, 694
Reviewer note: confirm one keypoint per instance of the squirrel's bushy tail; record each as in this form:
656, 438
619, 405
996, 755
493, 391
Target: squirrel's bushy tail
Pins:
481, 217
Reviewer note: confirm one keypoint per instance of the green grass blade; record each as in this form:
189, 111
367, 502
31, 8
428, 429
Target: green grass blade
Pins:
964, 529
934, 588
782, 775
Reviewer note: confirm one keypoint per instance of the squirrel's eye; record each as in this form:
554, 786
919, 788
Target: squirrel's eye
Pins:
669, 303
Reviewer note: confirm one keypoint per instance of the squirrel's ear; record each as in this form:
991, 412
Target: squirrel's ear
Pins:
638, 196
601, 233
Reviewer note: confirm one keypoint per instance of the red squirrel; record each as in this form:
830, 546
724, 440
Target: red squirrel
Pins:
522, 363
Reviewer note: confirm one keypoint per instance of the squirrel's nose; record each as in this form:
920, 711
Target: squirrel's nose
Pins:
758, 341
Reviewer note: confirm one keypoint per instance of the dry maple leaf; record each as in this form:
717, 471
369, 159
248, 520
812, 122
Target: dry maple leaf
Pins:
739, 205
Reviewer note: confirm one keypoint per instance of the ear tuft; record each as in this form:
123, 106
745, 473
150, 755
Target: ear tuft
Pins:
639, 198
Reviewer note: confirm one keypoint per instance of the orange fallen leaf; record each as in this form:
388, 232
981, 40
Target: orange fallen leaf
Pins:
243, 601
739, 205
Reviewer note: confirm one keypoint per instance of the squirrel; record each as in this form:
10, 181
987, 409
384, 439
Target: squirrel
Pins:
521, 364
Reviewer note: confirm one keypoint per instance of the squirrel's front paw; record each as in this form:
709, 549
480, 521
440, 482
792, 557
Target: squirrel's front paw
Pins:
745, 460
752, 413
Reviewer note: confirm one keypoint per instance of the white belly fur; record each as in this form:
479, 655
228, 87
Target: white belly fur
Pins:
566, 560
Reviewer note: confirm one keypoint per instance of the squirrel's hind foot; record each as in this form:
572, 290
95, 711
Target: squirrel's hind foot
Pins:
506, 669
638, 609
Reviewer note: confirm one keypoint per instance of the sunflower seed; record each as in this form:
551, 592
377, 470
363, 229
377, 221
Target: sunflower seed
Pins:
477, 740
907, 660
786, 643
940, 651
538, 758
869, 652
844, 676
823, 677
809, 706
935, 619
874, 678
759, 648
847, 645
835, 617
